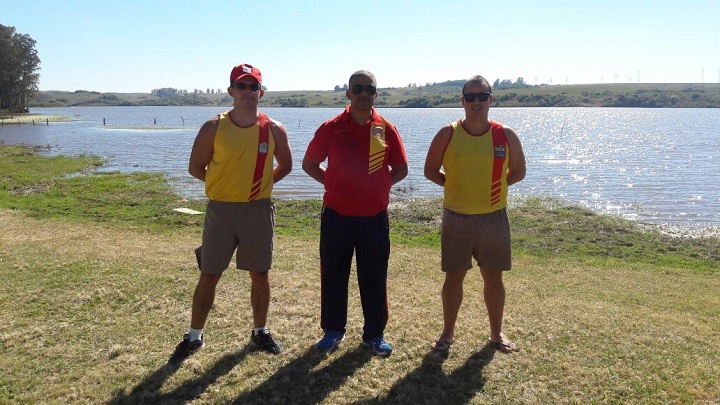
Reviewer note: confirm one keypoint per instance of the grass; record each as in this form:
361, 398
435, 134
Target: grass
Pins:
98, 273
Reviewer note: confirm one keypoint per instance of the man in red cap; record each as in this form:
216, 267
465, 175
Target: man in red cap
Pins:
233, 154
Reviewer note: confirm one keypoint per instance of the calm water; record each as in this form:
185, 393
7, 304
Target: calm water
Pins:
653, 165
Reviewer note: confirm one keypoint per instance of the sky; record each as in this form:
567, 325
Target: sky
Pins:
130, 46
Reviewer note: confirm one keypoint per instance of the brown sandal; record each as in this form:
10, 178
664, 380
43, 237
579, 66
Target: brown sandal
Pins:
506, 346
441, 345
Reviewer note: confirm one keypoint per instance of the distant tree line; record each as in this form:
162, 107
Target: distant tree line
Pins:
496, 85
509, 84
19, 66
167, 92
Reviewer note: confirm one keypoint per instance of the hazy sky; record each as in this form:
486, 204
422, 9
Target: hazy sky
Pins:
137, 46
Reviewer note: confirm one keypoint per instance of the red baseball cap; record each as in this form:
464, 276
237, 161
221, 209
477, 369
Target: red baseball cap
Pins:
243, 70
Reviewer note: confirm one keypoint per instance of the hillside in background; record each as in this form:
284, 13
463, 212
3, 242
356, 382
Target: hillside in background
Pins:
447, 94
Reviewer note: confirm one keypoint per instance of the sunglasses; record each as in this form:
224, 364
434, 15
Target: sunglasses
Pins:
243, 86
471, 97
369, 89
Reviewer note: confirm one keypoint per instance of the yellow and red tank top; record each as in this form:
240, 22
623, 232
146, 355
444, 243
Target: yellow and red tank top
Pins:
241, 169
476, 170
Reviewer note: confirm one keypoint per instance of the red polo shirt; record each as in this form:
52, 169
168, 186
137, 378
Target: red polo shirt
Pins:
359, 157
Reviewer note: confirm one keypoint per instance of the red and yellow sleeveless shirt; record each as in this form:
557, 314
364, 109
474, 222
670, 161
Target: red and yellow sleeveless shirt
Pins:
476, 170
241, 169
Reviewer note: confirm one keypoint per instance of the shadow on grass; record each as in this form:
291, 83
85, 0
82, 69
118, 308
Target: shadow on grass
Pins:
298, 383
148, 390
429, 384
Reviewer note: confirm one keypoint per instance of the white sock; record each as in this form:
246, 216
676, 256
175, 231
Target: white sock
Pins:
257, 330
194, 334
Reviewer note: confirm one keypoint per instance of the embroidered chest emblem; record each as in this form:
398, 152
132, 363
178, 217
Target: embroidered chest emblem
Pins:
263, 147
500, 151
377, 132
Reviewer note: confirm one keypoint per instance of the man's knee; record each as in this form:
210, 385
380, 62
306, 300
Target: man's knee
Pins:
492, 278
259, 277
454, 278
208, 280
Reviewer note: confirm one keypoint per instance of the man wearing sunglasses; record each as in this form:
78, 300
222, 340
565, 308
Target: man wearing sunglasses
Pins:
475, 159
365, 157
233, 154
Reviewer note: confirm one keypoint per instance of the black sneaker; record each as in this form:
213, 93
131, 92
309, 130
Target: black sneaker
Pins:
264, 341
186, 348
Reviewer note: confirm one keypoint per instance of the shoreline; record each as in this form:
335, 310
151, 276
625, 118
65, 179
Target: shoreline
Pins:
684, 229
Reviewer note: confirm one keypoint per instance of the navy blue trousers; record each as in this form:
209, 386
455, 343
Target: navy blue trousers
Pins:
369, 239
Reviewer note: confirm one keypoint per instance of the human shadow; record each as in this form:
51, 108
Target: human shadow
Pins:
298, 382
429, 384
148, 390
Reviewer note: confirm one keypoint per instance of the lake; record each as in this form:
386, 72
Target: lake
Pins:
657, 166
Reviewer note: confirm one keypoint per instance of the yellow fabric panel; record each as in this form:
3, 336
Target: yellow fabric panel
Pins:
377, 147
468, 165
230, 173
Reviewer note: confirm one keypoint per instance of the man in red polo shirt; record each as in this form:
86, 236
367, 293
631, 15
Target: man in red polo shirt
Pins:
365, 157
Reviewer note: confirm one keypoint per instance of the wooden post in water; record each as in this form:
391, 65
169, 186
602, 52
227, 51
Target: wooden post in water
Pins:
103, 121
155, 121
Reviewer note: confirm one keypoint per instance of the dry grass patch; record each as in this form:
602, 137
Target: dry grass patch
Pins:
91, 313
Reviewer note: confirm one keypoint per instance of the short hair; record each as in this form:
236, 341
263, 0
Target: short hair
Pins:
477, 79
363, 73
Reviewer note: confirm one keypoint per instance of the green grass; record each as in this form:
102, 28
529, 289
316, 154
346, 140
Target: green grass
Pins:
98, 273
52, 188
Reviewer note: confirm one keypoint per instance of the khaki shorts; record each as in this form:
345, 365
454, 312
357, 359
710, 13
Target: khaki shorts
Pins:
246, 228
485, 237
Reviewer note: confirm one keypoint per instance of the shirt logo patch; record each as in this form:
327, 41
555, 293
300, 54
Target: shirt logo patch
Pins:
263, 147
500, 151
379, 133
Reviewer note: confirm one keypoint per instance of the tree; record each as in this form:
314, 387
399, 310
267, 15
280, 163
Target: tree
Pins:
18, 69
165, 92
